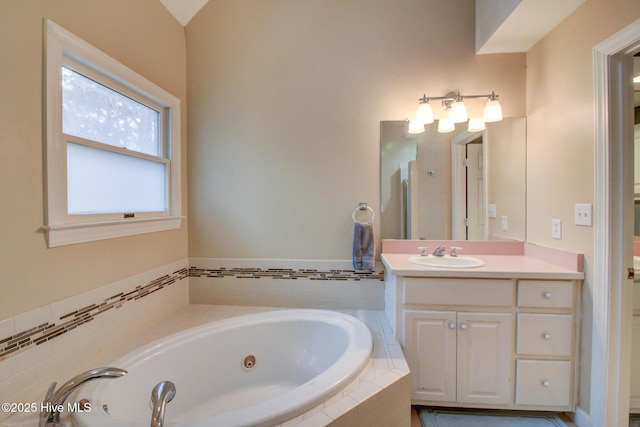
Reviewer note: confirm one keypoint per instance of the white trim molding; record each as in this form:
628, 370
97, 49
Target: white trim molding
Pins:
69, 234
611, 332
62, 228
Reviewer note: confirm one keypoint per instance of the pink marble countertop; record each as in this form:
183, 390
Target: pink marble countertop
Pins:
496, 266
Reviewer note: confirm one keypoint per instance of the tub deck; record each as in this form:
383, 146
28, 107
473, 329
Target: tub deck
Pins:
380, 395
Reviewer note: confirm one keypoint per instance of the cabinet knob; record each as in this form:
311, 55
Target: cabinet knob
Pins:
463, 326
547, 295
452, 325
546, 383
546, 336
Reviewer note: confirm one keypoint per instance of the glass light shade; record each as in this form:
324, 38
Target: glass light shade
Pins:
445, 125
458, 112
424, 113
492, 111
415, 126
476, 124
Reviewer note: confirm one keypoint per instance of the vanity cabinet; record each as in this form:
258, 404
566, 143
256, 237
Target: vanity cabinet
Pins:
460, 356
508, 343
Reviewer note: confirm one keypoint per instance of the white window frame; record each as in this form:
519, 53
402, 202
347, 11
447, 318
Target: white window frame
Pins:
62, 47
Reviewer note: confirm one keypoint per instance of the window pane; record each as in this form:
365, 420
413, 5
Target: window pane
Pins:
101, 181
95, 112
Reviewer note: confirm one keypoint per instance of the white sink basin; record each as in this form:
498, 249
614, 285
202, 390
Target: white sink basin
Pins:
446, 261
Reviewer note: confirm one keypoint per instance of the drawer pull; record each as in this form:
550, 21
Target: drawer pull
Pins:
452, 325
547, 295
463, 326
546, 336
546, 383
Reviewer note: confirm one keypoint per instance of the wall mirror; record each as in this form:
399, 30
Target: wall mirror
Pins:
457, 185
636, 146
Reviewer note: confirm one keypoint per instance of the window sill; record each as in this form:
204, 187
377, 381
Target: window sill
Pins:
70, 234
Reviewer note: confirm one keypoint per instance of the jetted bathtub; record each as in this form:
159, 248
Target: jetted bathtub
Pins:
254, 370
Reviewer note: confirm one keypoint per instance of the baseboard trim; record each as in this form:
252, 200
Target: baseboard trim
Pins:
582, 418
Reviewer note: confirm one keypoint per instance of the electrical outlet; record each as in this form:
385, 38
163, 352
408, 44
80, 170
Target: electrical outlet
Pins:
556, 228
583, 214
504, 222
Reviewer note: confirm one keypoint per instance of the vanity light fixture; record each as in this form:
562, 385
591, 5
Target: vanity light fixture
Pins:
425, 112
415, 127
446, 125
476, 124
457, 113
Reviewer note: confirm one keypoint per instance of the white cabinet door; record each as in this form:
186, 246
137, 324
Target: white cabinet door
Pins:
485, 358
460, 357
430, 349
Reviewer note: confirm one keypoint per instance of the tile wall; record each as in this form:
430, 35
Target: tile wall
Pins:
285, 283
65, 338
61, 340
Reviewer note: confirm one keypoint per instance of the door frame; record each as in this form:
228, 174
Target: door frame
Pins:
458, 183
613, 250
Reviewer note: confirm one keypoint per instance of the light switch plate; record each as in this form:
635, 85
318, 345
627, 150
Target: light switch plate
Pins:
556, 228
492, 210
504, 222
583, 214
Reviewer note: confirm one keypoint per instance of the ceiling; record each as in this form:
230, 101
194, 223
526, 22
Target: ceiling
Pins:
516, 25
513, 25
184, 10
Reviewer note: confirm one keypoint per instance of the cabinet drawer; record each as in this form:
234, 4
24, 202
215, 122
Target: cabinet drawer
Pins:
545, 334
543, 383
545, 293
486, 292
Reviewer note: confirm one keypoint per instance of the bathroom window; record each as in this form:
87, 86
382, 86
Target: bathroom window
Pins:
112, 146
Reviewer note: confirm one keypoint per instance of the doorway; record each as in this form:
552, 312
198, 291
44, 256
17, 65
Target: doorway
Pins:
612, 289
468, 187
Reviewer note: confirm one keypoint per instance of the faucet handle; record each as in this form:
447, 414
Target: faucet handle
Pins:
424, 251
454, 250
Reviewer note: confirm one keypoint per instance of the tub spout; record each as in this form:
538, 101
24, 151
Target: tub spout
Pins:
162, 394
54, 399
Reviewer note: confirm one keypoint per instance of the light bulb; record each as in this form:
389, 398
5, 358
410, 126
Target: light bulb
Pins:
415, 126
458, 112
476, 124
445, 125
424, 113
492, 111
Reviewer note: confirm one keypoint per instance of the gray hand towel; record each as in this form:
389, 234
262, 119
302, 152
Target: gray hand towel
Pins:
363, 246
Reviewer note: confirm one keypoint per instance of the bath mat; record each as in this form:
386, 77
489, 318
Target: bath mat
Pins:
430, 417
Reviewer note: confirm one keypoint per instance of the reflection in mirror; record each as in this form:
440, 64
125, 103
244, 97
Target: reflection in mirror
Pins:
636, 146
429, 191
636, 183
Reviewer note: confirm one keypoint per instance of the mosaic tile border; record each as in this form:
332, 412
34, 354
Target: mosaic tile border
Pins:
67, 322
44, 332
286, 273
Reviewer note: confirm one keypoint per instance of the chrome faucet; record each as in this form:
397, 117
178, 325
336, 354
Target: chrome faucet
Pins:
162, 394
439, 251
54, 399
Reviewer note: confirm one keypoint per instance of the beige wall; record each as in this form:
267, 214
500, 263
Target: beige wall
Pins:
507, 178
145, 37
560, 139
287, 98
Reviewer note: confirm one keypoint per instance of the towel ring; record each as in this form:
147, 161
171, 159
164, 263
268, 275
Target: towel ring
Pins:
363, 207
